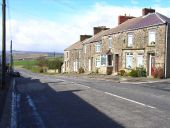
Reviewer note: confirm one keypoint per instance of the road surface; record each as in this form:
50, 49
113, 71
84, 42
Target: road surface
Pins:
44, 101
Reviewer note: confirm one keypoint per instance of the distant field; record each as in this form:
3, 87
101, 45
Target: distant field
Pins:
25, 63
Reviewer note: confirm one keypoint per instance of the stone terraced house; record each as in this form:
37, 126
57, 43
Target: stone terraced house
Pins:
136, 42
73, 55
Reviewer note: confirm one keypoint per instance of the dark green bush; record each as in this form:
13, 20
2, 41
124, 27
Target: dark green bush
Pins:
141, 72
81, 70
97, 71
122, 72
133, 73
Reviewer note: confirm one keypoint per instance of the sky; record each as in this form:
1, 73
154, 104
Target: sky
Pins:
53, 25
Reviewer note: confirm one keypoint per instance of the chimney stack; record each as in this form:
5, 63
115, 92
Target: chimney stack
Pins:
99, 29
145, 11
83, 37
124, 18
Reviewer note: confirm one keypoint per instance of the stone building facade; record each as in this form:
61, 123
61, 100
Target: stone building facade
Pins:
136, 42
73, 55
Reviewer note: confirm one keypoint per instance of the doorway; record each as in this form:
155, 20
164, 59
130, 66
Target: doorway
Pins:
116, 62
151, 64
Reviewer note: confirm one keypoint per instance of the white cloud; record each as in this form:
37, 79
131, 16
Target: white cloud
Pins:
44, 35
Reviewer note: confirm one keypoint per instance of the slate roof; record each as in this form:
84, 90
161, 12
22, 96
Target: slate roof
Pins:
75, 46
95, 38
150, 19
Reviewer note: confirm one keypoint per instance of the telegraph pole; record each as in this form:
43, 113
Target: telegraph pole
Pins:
11, 59
3, 43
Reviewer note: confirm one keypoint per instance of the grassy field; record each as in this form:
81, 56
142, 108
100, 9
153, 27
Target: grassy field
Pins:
28, 64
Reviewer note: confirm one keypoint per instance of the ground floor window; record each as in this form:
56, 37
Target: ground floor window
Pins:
129, 59
103, 60
140, 60
98, 62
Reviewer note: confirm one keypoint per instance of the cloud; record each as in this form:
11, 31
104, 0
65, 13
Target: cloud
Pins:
45, 35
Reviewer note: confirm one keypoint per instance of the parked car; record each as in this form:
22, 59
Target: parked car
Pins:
16, 74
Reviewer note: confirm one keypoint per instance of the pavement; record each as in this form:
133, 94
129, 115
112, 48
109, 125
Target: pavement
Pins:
5, 103
118, 79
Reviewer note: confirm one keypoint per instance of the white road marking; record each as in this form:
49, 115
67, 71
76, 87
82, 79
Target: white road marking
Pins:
84, 86
130, 100
13, 107
81, 85
38, 118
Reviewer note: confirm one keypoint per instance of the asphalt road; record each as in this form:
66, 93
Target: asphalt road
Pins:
43, 101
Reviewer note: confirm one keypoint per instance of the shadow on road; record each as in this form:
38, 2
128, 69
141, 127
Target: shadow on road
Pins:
58, 109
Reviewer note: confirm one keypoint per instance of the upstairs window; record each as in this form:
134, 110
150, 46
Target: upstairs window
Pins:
85, 49
130, 39
110, 42
79, 54
98, 46
152, 36
66, 54
129, 59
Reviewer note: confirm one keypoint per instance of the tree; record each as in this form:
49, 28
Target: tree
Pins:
55, 64
42, 62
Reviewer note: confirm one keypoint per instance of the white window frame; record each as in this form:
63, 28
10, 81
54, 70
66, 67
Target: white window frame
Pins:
98, 47
130, 39
152, 37
128, 54
85, 48
110, 42
67, 54
105, 57
139, 60
98, 61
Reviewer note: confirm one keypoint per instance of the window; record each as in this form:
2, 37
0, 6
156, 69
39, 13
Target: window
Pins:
110, 42
66, 54
129, 59
84, 48
152, 35
140, 60
79, 54
97, 47
98, 62
130, 40
103, 60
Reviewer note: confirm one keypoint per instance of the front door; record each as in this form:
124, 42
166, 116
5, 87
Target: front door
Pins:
89, 64
116, 62
151, 64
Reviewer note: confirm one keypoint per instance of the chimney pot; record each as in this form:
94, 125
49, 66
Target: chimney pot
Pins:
145, 11
99, 29
83, 37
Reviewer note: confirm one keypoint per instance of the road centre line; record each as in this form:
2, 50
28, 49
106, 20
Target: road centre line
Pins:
130, 100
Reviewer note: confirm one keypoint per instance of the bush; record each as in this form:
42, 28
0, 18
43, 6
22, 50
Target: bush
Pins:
160, 73
81, 70
97, 71
122, 72
154, 72
133, 73
141, 72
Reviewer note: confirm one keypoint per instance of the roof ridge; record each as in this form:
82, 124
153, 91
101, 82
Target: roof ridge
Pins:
161, 18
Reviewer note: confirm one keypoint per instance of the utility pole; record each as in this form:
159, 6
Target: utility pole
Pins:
3, 43
11, 59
